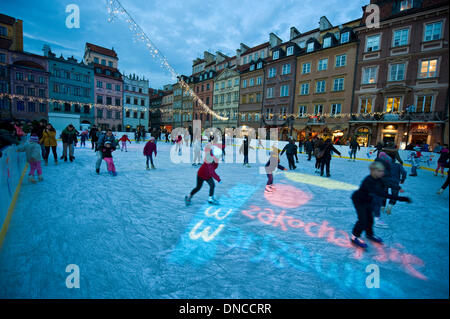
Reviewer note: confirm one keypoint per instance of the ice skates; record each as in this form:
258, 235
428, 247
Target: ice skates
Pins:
213, 201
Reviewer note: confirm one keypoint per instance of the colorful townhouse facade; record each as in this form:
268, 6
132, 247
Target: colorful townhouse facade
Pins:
135, 102
226, 98
155, 103
71, 83
204, 89
324, 82
167, 110
108, 86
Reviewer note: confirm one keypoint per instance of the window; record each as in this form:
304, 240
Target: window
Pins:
118, 87
109, 114
43, 107
109, 86
397, 72
19, 89
217, 86
20, 106
304, 89
86, 109
366, 106
306, 68
258, 97
99, 99
77, 108
109, 100
335, 109
345, 37
252, 67
2, 57
67, 107
258, 80
320, 86
252, 82
31, 92
373, 43
405, 5
322, 65
286, 69
223, 85
433, 31
103, 62
99, 84
301, 110
270, 93
110, 63
424, 103
142, 115
236, 82
400, 37
262, 55
428, 68
142, 102
117, 102
207, 86
19, 76
393, 104
341, 60
31, 77
95, 60
3, 31
31, 107
135, 114
284, 90
117, 115
327, 42
310, 47
244, 84
245, 60
128, 100
41, 92
276, 55
290, 51
259, 65
370, 75
318, 109
272, 72
41, 80
338, 84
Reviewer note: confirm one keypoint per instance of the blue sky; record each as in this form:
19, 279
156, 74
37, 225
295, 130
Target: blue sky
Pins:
182, 30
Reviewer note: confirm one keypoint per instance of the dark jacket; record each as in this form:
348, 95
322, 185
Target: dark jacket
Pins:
103, 139
371, 187
327, 148
290, 149
93, 134
69, 137
398, 173
444, 156
309, 146
354, 145
107, 152
393, 153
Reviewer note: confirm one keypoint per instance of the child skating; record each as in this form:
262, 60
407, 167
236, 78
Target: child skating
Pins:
272, 164
107, 157
207, 173
33, 153
362, 200
149, 150
398, 176
123, 140
443, 158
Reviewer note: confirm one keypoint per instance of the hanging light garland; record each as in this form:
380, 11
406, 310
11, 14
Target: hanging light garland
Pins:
115, 9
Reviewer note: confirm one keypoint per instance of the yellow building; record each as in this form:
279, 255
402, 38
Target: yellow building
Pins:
226, 98
11, 33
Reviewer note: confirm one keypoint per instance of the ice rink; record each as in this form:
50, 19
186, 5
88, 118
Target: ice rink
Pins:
133, 237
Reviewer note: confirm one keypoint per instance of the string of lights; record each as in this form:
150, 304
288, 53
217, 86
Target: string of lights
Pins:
115, 10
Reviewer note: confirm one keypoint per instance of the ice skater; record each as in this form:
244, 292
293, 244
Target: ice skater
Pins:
445, 185
123, 140
149, 150
83, 138
197, 150
33, 153
207, 173
443, 158
354, 147
107, 150
49, 141
398, 177
179, 142
362, 200
103, 138
272, 164
291, 151
415, 160
244, 150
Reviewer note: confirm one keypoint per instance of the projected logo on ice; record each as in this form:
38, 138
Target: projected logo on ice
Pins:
215, 228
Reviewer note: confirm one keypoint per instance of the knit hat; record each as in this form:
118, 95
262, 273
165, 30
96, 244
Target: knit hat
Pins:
34, 138
107, 142
152, 138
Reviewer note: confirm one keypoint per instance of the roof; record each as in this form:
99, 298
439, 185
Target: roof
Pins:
306, 33
101, 50
256, 48
7, 19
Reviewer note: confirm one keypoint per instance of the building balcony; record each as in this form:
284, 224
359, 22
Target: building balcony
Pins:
399, 117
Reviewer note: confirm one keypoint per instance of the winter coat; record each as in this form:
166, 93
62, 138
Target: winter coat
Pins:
444, 156
244, 147
290, 149
354, 145
369, 188
49, 138
309, 146
107, 152
327, 148
393, 153
387, 180
32, 150
69, 137
104, 138
150, 148
398, 173
208, 170
274, 159
84, 136
124, 139
93, 134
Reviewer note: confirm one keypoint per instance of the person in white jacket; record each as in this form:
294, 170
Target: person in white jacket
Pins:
33, 153
197, 143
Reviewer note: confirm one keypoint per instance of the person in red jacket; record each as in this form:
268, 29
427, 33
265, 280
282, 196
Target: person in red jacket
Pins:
149, 149
207, 172
124, 140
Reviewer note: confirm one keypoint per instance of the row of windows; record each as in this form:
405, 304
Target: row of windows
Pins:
103, 62
67, 107
118, 87
2, 58
335, 109
107, 72
135, 114
400, 37
133, 88
198, 87
322, 65
249, 117
135, 101
253, 57
68, 75
397, 71
73, 90
108, 100
251, 82
31, 107
251, 98
229, 84
424, 104
284, 91
109, 114
30, 78
30, 91
221, 98
338, 85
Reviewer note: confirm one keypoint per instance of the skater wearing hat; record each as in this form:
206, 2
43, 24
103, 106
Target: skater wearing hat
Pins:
33, 153
149, 149
108, 148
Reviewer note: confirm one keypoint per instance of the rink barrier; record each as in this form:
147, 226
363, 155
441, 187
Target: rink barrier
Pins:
13, 168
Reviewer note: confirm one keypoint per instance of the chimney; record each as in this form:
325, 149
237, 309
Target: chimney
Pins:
46, 50
294, 33
274, 40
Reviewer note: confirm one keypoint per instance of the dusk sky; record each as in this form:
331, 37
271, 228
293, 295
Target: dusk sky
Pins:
182, 30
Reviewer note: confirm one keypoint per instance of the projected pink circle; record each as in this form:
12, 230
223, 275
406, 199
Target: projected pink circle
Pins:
287, 196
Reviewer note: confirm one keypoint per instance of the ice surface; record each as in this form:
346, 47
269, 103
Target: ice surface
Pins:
133, 237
